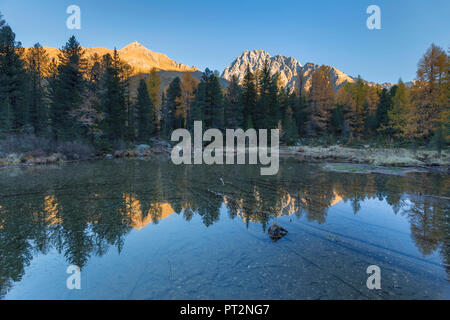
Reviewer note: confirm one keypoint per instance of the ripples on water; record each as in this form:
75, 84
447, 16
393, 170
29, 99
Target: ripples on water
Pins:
152, 230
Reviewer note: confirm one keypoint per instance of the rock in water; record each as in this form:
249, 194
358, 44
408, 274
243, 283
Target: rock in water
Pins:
276, 232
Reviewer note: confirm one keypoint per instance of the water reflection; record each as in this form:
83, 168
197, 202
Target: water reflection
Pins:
86, 209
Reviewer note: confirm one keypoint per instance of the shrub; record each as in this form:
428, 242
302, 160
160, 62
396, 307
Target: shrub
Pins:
40, 147
26, 143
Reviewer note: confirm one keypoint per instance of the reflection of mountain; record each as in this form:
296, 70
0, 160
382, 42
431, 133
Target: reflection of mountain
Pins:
288, 206
138, 219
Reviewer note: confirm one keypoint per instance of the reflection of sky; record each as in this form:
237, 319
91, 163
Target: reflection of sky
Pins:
377, 223
179, 259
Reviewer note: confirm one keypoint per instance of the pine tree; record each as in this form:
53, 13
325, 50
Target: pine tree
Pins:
144, 109
114, 102
338, 121
198, 105
173, 119
273, 115
261, 116
13, 107
208, 102
234, 117
299, 105
290, 131
381, 114
249, 98
213, 111
37, 62
67, 91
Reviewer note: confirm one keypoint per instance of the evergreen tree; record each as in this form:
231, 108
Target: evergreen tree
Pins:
249, 98
381, 114
173, 120
234, 117
299, 106
290, 131
273, 115
37, 62
208, 102
144, 109
338, 121
13, 108
261, 116
199, 102
286, 100
114, 102
213, 111
67, 91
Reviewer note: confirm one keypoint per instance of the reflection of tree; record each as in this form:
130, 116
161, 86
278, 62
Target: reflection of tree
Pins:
85, 209
426, 217
445, 248
16, 251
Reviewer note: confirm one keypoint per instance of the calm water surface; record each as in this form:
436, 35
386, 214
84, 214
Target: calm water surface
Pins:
152, 230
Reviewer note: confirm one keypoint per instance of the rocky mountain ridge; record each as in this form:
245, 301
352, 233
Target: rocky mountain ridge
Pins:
291, 72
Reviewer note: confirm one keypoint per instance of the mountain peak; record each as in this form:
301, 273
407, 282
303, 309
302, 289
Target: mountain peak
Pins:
288, 69
134, 45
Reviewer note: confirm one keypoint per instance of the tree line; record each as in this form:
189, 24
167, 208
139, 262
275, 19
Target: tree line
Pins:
99, 100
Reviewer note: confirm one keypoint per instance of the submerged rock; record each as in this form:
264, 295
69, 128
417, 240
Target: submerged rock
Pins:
118, 154
276, 232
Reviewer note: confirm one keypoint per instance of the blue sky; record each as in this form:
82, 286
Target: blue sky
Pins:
211, 33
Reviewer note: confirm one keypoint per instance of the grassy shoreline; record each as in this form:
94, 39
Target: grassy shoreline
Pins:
387, 157
366, 155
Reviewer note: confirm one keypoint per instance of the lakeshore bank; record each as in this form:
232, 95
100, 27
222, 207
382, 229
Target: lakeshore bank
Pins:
383, 157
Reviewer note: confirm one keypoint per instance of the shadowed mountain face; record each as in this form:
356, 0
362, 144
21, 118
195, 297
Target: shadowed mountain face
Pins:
291, 72
136, 55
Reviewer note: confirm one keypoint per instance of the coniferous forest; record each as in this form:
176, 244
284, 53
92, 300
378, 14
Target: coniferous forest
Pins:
100, 103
